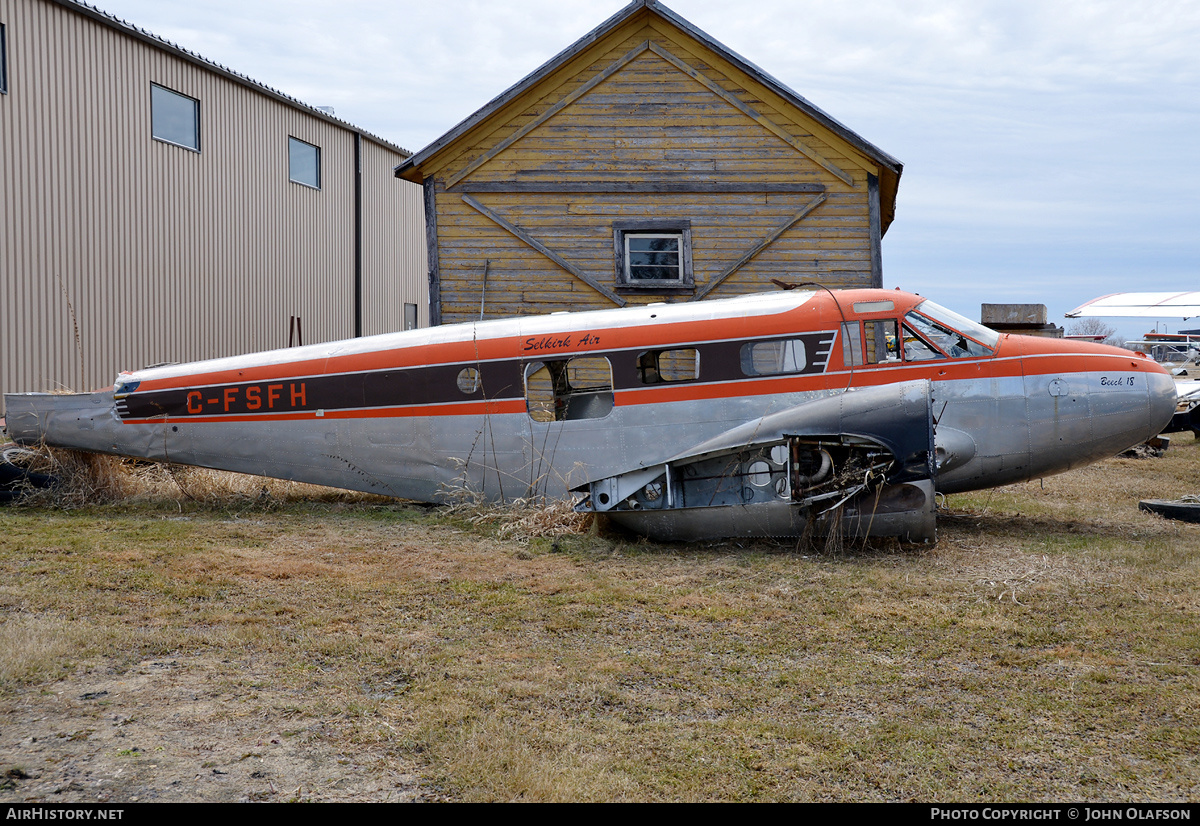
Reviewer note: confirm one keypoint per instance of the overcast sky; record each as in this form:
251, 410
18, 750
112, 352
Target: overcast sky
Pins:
1049, 146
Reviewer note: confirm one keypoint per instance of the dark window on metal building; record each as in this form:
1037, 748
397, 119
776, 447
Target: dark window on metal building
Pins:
304, 163
174, 118
3, 61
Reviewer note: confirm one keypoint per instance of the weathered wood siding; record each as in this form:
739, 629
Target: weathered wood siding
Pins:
647, 124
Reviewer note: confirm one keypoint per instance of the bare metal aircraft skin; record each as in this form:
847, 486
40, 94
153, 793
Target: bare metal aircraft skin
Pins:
765, 415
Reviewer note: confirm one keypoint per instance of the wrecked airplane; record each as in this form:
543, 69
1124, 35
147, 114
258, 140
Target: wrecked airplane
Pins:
764, 415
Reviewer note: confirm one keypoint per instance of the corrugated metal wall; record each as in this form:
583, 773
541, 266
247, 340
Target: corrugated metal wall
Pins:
120, 250
394, 243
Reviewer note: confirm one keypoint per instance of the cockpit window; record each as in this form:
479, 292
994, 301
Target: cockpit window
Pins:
881, 342
953, 323
951, 342
917, 349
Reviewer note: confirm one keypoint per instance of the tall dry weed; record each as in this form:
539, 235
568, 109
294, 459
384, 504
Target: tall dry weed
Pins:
81, 478
524, 518
85, 479
521, 519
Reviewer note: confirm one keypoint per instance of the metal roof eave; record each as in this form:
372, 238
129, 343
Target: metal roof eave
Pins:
157, 42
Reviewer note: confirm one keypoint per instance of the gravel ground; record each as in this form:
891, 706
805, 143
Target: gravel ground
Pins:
169, 731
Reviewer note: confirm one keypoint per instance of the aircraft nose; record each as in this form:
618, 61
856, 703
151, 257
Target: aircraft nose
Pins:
1163, 398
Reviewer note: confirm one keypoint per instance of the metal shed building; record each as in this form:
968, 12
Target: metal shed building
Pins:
156, 207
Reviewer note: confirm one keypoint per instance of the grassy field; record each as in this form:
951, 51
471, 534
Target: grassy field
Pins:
300, 645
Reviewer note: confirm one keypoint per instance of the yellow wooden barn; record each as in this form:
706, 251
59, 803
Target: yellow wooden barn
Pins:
646, 162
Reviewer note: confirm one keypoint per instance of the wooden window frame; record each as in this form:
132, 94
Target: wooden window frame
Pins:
625, 284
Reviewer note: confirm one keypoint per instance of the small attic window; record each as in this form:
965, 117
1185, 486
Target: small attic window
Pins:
653, 256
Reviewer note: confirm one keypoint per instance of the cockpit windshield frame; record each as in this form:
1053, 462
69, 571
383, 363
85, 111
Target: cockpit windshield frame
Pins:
984, 339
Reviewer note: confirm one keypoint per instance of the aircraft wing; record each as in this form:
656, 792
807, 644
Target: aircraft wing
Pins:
1141, 305
861, 462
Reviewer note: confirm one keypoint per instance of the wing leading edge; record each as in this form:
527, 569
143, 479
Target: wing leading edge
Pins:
1141, 305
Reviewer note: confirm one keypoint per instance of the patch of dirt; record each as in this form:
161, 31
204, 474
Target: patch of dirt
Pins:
173, 730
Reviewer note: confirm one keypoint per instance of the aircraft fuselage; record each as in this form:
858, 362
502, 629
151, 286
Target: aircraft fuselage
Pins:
538, 405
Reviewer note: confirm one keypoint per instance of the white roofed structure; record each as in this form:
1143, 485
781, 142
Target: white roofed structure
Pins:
1141, 305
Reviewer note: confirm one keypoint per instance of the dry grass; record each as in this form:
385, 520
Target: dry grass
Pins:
1047, 648
34, 649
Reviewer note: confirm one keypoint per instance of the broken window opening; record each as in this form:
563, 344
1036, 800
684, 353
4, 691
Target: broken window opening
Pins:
917, 349
882, 341
879, 344
984, 341
566, 390
468, 380
952, 342
659, 366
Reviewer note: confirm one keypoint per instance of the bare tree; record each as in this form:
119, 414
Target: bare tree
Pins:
1092, 327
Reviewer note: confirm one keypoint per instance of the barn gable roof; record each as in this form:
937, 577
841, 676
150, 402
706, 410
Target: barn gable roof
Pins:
890, 167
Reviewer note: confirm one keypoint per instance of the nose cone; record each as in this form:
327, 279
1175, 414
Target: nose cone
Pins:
1163, 398
1052, 357
1089, 401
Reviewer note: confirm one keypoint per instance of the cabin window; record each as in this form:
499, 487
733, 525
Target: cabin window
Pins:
3, 61
653, 256
304, 163
851, 344
768, 358
174, 118
659, 366
569, 389
468, 380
